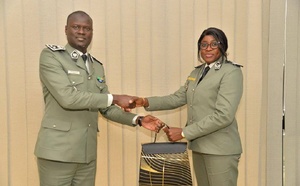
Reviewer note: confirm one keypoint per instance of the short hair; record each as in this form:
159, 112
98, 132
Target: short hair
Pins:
219, 36
78, 12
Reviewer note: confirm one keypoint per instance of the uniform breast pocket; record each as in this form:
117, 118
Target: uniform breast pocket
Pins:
101, 85
189, 86
76, 81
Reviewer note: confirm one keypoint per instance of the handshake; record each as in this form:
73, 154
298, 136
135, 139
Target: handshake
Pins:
149, 122
129, 102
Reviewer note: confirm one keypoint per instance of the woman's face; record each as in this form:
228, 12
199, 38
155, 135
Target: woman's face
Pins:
211, 53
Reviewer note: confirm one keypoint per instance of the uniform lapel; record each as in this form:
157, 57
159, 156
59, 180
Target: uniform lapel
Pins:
75, 56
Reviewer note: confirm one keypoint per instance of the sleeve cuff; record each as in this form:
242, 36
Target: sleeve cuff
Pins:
182, 134
134, 120
110, 99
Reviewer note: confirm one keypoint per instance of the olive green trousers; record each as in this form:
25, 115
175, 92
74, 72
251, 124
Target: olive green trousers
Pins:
55, 173
216, 170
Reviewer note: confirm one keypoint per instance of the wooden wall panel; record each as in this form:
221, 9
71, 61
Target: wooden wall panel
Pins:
253, 90
292, 94
128, 85
114, 79
16, 79
4, 169
34, 106
275, 72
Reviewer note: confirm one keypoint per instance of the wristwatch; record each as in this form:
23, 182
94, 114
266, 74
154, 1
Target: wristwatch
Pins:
139, 120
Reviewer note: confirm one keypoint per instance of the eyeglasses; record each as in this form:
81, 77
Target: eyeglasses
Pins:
213, 45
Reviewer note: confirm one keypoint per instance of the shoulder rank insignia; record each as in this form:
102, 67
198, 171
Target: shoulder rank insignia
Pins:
55, 47
94, 59
235, 64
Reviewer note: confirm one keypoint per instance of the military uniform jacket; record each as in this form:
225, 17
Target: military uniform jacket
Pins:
211, 107
73, 97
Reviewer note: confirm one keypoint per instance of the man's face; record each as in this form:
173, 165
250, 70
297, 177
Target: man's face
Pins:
79, 31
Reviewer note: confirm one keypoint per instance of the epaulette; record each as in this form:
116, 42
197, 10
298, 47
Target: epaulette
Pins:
235, 64
95, 60
55, 47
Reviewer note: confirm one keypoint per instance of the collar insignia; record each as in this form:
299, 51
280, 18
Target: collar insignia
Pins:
218, 65
74, 54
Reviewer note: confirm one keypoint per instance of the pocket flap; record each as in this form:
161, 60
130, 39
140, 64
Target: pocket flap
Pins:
57, 125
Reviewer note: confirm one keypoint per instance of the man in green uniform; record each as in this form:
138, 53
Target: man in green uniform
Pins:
75, 90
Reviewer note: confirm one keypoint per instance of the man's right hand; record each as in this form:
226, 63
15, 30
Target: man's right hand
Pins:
125, 101
141, 102
152, 123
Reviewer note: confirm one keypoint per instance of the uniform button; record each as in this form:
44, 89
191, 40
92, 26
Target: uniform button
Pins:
193, 90
54, 126
89, 77
89, 125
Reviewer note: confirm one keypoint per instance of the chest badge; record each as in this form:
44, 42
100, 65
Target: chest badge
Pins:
100, 80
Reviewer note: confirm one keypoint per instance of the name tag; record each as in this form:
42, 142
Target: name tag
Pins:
73, 72
191, 78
